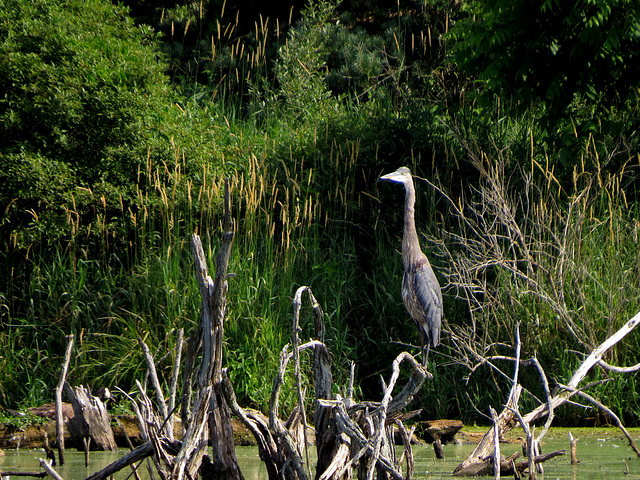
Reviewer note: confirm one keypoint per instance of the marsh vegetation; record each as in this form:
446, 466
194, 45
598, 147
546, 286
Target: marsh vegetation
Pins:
119, 129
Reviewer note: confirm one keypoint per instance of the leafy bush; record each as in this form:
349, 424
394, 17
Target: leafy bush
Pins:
85, 102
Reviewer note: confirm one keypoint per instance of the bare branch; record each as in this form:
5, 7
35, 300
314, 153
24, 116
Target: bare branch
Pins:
617, 369
611, 414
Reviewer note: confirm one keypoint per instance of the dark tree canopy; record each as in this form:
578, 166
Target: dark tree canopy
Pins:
553, 51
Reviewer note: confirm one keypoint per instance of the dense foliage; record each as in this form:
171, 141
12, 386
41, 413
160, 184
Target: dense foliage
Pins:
553, 52
119, 126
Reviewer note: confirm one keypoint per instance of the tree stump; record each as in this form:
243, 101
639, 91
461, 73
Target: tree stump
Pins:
90, 420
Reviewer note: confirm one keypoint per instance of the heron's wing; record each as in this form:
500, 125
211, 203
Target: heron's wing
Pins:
428, 294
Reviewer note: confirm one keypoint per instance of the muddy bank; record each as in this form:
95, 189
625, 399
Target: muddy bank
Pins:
125, 429
123, 426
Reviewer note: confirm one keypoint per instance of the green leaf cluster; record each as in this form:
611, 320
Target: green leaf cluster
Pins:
552, 53
84, 98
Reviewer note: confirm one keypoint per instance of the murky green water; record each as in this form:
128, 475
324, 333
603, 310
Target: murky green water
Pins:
603, 454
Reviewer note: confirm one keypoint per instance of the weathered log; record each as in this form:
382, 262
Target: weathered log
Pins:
143, 451
505, 421
445, 430
90, 420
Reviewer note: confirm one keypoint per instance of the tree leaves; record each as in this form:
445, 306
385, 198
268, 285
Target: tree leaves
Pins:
552, 53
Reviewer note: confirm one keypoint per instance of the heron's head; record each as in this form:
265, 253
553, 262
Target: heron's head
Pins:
402, 175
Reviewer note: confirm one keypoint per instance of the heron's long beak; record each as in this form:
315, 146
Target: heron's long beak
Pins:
393, 176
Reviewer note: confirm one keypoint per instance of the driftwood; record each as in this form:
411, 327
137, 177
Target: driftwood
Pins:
510, 416
283, 445
59, 415
349, 435
90, 420
480, 459
49, 469
204, 411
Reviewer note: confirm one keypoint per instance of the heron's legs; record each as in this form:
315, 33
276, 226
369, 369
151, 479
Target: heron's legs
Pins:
425, 354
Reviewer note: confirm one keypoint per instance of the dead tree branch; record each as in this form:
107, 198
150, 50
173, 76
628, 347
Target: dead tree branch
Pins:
59, 388
553, 401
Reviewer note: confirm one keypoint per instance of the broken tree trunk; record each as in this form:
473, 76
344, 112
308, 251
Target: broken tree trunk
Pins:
91, 420
212, 412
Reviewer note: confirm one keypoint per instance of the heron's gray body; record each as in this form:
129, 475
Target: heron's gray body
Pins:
420, 288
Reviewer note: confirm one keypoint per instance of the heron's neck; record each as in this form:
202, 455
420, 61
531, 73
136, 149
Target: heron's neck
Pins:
410, 244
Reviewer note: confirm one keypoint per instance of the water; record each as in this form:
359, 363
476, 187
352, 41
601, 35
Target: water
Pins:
603, 454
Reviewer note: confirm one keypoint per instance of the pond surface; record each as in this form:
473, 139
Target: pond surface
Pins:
603, 454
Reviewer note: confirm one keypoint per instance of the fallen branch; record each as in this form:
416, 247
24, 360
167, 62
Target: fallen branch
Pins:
47, 466
553, 401
143, 451
615, 418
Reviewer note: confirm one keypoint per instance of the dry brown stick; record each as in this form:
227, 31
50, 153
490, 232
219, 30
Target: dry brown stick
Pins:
59, 419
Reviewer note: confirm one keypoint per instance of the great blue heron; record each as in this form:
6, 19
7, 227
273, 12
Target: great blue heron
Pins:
420, 288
